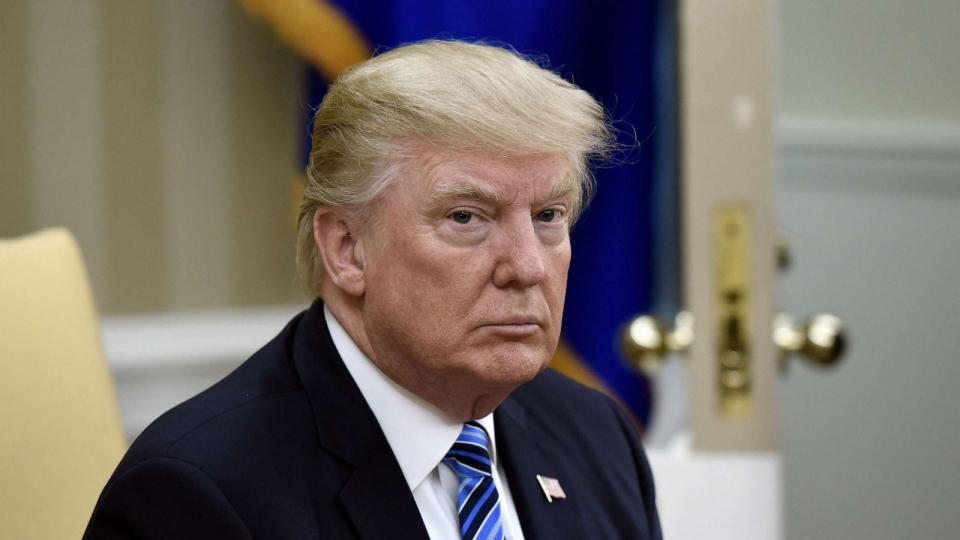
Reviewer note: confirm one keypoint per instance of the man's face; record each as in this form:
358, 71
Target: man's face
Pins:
465, 268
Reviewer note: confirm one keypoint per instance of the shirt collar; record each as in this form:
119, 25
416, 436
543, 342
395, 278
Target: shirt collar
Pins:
418, 433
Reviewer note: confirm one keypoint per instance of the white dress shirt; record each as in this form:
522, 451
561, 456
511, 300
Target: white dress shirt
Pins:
420, 436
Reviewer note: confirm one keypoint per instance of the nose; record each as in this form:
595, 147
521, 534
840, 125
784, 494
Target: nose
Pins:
520, 257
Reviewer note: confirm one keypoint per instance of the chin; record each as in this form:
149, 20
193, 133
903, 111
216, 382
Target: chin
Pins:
512, 365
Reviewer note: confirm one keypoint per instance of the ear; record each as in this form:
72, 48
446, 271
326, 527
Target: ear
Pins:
338, 243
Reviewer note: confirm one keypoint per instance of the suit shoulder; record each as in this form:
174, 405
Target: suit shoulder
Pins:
262, 387
164, 498
553, 390
597, 439
571, 414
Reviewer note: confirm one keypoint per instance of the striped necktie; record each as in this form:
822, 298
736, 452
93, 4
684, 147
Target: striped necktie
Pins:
477, 499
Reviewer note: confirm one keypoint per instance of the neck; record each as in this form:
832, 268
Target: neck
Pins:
461, 404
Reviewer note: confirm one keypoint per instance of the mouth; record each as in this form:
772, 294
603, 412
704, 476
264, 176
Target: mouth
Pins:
512, 330
513, 326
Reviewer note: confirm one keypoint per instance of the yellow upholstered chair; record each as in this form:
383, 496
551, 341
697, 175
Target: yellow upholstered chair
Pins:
60, 430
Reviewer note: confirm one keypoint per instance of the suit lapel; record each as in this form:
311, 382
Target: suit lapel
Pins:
376, 497
525, 456
378, 500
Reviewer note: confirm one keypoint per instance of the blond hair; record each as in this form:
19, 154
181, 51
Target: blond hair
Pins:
450, 94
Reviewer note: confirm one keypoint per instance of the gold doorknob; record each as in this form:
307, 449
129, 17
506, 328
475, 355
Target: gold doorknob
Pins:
822, 340
645, 341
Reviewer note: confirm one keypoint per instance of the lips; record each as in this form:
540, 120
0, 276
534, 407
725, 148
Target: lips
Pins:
512, 331
516, 320
511, 327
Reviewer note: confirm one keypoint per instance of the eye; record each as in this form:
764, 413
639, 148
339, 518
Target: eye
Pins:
549, 215
462, 216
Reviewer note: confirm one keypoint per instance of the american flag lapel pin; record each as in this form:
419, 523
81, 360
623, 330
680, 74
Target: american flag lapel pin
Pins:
551, 488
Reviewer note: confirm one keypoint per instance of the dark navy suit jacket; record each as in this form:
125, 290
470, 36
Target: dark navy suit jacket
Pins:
286, 447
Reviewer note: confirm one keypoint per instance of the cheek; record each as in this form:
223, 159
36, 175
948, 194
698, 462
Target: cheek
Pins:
435, 264
559, 263
557, 289
426, 282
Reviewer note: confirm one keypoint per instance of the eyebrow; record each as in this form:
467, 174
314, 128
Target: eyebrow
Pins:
464, 190
476, 192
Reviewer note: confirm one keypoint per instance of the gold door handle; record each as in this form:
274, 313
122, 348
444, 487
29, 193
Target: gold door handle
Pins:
645, 342
822, 340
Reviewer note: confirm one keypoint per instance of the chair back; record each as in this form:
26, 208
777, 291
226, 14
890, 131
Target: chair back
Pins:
60, 429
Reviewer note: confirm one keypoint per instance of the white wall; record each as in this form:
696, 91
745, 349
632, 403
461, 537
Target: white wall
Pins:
869, 194
890, 59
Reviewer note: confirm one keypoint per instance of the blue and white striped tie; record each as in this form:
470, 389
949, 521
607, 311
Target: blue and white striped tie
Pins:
477, 498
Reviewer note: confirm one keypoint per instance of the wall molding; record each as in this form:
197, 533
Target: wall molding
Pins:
865, 138
160, 359
175, 339
919, 159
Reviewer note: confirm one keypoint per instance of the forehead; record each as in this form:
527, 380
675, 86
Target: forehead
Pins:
444, 172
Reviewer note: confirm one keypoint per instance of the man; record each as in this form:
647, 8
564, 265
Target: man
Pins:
412, 401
